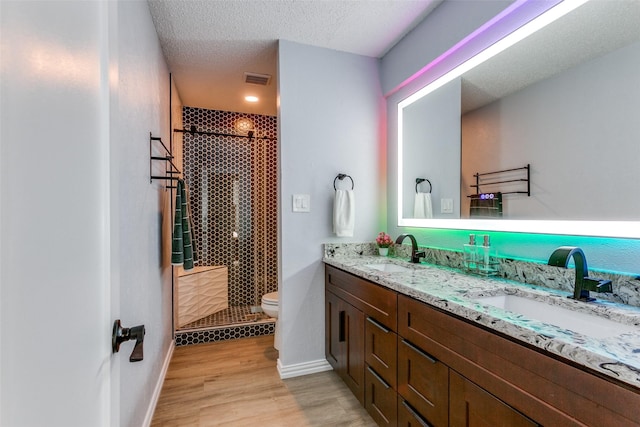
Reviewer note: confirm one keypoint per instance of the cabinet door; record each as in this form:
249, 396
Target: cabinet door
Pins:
380, 399
334, 332
344, 342
423, 381
380, 352
353, 328
473, 406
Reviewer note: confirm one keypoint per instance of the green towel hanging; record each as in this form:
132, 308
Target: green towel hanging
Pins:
182, 252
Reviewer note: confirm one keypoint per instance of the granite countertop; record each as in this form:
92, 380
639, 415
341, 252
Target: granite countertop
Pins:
455, 291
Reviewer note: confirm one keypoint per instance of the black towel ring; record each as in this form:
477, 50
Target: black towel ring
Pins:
342, 176
420, 180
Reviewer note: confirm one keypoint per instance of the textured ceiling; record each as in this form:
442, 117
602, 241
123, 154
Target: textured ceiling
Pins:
210, 44
592, 30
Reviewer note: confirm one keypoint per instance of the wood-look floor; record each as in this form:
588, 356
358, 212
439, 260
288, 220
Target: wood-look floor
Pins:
236, 383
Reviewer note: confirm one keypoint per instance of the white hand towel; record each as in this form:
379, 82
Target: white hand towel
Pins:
344, 213
422, 206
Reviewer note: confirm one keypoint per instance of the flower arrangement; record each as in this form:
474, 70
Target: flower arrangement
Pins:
384, 240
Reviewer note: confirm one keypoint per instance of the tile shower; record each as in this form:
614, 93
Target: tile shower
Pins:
232, 183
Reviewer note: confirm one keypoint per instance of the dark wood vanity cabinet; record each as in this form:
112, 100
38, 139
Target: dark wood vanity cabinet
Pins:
375, 301
380, 350
416, 365
368, 365
408, 416
423, 382
380, 372
344, 342
470, 405
380, 399
494, 376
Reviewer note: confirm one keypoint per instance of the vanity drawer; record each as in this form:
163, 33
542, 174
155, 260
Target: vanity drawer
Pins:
423, 381
374, 300
471, 405
408, 416
380, 352
380, 398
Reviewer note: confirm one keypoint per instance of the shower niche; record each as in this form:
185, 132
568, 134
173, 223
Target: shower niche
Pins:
230, 168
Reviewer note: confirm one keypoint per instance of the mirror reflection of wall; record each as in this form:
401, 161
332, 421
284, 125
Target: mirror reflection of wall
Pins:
578, 129
564, 100
431, 131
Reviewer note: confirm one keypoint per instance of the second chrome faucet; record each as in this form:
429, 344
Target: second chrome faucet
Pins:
415, 254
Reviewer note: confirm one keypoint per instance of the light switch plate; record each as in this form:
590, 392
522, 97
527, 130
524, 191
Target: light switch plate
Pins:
446, 206
301, 203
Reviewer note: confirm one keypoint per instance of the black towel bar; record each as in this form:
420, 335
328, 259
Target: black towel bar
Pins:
170, 168
250, 134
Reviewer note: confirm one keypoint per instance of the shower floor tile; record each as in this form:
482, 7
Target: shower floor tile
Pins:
231, 316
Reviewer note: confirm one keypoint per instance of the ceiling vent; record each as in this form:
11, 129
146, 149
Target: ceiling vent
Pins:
257, 79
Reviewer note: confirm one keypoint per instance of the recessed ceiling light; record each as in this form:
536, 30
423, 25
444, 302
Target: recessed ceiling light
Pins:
251, 98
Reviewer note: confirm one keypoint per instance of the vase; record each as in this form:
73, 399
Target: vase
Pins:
383, 251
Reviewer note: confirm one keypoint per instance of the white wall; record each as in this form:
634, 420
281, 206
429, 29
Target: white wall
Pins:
330, 115
144, 217
83, 84
602, 253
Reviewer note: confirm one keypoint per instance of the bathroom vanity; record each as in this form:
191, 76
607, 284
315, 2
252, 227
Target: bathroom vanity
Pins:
416, 347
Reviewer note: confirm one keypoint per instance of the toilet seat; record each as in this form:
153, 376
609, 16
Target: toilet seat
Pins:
270, 299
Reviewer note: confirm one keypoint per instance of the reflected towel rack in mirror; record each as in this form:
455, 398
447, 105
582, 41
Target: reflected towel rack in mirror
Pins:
511, 179
420, 181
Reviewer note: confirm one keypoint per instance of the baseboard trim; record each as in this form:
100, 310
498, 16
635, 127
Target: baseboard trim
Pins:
156, 392
300, 369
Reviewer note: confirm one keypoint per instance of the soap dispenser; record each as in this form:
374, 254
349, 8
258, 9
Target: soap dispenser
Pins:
487, 263
470, 254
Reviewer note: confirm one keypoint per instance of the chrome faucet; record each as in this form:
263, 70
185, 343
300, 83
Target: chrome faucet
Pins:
415, 254
583, 284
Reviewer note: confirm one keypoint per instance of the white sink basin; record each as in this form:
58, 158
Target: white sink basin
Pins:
388, 267
583, 323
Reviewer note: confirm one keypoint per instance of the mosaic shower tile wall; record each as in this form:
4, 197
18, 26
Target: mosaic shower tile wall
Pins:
232, 185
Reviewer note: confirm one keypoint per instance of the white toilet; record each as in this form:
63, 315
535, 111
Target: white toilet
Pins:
270, 308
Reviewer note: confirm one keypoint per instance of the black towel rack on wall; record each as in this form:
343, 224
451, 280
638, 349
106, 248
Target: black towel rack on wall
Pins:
171, 170
526, 179
340, 177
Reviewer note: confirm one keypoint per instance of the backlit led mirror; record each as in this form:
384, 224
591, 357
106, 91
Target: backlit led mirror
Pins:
542, 137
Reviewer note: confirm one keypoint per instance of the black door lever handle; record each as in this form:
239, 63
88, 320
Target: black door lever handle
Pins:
121, 335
